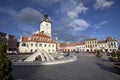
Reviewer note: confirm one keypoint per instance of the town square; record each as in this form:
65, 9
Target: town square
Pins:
59, 40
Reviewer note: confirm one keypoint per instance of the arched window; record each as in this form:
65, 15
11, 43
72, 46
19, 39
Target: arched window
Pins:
53, 50
31, 44
114, 44
23, 44
36, 44
45, 45
52, 45
40, 45
111, 44
35, 38
31, 50
49, 45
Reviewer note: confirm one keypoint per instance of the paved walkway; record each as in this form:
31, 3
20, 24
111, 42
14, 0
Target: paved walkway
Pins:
87, 67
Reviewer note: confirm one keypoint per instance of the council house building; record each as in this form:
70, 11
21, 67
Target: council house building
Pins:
40, 40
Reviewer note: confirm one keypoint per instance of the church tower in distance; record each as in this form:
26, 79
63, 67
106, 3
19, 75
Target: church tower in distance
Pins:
45, 26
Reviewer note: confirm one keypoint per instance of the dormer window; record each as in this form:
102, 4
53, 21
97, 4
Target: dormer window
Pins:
34, 38
42, 31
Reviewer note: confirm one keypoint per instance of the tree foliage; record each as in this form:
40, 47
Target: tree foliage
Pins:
118, 56
5, 64
98, 53
113, 54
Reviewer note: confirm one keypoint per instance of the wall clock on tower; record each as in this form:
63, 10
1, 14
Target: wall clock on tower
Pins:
47, 24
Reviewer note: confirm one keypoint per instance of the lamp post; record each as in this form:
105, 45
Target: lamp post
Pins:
28, 45
7, 43
28, 33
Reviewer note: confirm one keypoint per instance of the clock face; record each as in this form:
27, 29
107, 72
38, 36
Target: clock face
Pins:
47, 24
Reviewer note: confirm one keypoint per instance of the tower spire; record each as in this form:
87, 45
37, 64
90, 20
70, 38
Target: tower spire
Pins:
45, 25
45, 18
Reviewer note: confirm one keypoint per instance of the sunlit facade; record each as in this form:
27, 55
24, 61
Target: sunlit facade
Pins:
40, 40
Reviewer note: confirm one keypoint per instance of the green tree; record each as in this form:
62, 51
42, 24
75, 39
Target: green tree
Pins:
113, 54
5, 64
98, 53
118, 56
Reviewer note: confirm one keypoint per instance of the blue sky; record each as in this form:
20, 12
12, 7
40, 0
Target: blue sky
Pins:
72, 20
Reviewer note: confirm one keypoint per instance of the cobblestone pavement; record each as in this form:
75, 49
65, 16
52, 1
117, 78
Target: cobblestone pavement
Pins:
87, 67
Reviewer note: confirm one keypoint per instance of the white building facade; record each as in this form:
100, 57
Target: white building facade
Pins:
40, 40
91, 45
112, 44
102, 46
80, 47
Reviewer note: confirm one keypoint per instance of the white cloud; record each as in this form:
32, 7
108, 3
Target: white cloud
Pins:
79, 24
103, 22
44, 2
77, 10
71, 23
28, 14
99, 25
66, 6
101, 4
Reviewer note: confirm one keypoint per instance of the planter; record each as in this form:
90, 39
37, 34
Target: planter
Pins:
113, 59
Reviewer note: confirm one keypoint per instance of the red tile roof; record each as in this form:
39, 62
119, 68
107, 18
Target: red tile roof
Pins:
71, 44
24, 39
91, 39
101, 41
39, 37
110, 39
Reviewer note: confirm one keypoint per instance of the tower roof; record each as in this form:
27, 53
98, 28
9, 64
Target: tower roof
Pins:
45, 18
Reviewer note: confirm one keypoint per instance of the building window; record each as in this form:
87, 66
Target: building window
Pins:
35, 50
40, 45
36, 44
48, 49
45, 45
52, 45
114, 45
49, 45
31, 44
31, 50
23, 44
111, 44
35, 38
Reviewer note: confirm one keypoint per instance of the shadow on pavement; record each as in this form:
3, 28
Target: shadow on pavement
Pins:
107, 68
105, 60
24, 72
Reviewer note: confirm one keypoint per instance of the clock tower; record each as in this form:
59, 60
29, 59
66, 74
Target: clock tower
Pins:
45, 26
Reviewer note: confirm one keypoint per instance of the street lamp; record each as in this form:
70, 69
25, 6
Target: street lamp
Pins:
28, 45
7, 43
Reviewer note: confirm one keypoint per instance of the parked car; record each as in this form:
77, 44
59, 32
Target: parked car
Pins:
91, 52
